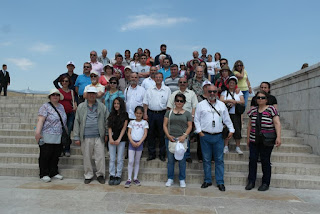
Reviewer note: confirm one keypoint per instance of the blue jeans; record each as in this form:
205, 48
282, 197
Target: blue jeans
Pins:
212, 78
187, 154
116, 150
245, 96
212, 144
171, 162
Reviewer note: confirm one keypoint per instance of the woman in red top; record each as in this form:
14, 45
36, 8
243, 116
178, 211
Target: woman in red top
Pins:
222, 82
70, 107
150, 60
108, 73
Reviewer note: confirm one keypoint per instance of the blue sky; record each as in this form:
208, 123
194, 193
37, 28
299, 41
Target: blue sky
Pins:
272, 38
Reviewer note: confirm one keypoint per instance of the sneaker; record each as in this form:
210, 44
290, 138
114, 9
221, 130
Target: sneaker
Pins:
101, 179
127, 184
45, 179
169, 182
137, 182
117, 180
58, 176
238, 150
67, 154
182, 184
111, 180
226, 150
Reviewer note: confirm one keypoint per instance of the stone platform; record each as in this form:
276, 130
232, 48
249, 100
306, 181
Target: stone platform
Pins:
29, 195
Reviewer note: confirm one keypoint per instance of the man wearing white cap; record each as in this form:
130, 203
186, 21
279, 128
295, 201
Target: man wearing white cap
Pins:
94, 75
90, 132
73, 76
125, 82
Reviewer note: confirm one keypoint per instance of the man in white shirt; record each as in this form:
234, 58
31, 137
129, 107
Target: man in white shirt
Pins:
209, 118
96, 66
143, 69
94, 83
155, 106
150, 82
133, 95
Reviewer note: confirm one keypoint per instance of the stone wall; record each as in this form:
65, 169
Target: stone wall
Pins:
298, 96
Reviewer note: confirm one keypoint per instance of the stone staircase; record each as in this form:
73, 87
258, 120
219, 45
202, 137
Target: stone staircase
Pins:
293, 164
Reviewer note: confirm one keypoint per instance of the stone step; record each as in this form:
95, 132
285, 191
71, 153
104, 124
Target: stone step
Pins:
19, 114
20, 126
230, 166
18, 106
160, 175
7, 119
277, 156
21, 110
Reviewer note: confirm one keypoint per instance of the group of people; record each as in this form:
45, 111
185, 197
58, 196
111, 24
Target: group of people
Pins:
127, 103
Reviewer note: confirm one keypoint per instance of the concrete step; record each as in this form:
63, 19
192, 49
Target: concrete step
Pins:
277, 156
19, 105
7, 119
160, 175
21, 110
18, 114
230, 166
20, 126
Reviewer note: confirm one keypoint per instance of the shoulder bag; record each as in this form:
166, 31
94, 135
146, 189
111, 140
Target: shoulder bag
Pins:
239, 108
65, 138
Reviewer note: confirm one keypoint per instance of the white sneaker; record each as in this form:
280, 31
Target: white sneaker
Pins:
226, 150
238, 150
182, 183
45, 179
169, 183
58, 176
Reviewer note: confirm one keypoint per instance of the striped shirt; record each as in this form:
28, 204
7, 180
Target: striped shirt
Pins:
172, 83
267, 125
91, 129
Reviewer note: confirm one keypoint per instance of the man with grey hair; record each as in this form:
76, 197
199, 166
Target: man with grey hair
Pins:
103, 58
90, 131
96, 66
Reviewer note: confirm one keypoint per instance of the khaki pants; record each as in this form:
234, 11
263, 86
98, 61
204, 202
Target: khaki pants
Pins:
93, 147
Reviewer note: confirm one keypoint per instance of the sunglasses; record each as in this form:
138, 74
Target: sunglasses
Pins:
115, 83
55, 95
212, 91
183, 82
261, 98
93, 55
239, 65
65, 81
93, 76
179, 101
223, 63
86, 66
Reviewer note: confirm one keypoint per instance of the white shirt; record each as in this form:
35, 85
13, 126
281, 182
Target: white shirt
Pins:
157, 99
97, 66
137, 131
142, 69
229, 97
149, 83
133, 98
205, 115
191, 100
134, 66
210, 67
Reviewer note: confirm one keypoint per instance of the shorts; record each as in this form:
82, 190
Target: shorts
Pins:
139, 148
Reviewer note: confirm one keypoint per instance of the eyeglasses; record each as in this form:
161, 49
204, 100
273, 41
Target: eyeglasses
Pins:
222, 63
179, 101
54, 94
93, 76
93, 55
183, 82
115, 83
261, 98
86, 66
212, 91
65, 81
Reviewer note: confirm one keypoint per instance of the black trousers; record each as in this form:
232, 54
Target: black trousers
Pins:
257, 149
156, 125
4, 89
48, 159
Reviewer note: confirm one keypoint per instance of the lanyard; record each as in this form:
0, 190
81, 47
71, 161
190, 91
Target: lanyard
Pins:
213, 107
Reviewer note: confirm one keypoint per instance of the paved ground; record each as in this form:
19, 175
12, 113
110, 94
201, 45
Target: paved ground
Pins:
30, 195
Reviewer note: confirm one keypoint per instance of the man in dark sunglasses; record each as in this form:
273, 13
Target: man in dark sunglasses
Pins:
97, 66
209, 118
82, 81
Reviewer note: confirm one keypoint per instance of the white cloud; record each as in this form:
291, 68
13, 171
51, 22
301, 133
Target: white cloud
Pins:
153, 20
22, 63
5, 44
41, 47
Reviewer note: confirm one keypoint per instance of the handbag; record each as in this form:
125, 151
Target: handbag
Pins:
269, 139
65, 138
239, 108
172, 145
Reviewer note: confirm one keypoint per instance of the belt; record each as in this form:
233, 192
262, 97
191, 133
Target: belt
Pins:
158, 112
211, 133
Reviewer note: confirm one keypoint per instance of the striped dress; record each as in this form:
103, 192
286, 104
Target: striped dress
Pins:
267, 125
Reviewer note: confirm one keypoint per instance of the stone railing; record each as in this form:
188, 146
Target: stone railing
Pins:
298, 96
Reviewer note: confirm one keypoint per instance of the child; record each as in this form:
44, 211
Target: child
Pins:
117, 123
137, 133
